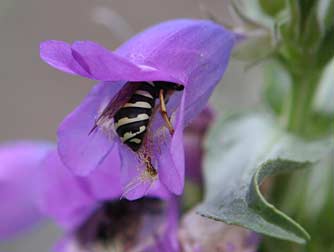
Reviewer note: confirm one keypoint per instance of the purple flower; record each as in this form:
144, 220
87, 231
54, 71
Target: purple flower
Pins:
194, 136
182, 59
19, 163
94, 217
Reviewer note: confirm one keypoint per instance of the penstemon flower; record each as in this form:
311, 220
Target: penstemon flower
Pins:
94, 217
151, 88
19, 167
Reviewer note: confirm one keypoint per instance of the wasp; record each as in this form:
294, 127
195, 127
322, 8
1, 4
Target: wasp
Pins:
132, 117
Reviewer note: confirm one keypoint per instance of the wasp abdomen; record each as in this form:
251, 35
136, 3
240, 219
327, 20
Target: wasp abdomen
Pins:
131, 120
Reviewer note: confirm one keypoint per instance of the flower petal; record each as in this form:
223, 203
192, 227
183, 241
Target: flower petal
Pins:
63, 196
136, 183
69, 199
104, 182
171, 159
59, 55
168, 242
90, 60
193, 51
173, 51
79, 150
19, 163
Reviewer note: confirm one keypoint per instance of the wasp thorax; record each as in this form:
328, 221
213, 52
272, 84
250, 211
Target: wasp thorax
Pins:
122, 226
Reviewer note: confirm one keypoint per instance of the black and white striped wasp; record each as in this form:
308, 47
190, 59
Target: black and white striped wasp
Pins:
132, 108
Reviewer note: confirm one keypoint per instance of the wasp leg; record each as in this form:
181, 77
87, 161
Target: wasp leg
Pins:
163, 112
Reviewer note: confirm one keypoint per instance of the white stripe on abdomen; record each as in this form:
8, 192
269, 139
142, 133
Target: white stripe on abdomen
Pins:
144, 93
129, 135
138, 104
126, 120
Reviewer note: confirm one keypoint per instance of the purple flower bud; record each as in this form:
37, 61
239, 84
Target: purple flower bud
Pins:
19, 163
96, 219
176, 65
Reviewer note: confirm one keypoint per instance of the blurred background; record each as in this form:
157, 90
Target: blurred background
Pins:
34, 98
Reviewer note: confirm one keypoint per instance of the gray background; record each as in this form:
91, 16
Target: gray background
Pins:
34, 98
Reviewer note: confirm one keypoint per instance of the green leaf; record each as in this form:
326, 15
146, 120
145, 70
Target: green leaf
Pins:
242, 152
308, 196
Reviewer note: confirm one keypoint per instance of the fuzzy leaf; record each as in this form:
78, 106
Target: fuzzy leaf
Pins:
242, 152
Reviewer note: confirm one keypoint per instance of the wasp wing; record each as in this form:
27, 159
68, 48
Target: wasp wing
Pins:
115, 104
